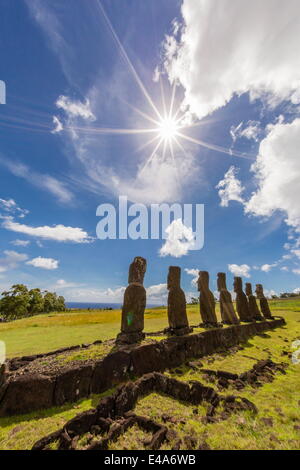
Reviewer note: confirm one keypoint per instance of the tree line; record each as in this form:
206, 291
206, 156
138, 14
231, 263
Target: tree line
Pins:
19, 302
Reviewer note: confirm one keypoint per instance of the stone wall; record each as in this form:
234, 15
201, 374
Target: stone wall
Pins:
27, 392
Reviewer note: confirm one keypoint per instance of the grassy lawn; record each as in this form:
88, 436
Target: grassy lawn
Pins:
43, 333
278, 400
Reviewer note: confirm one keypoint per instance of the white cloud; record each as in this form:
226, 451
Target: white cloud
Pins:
284, 268
230, 47
296, 291
20, 242
11, 207
75, 108
277, 170
58, 233
157, 293
11, 260
242, 270
41, 181
250, 131
266, 268
296, 271
58, 126
180, 239
62, 284
296, 253
230, 188
195, 274
44, 263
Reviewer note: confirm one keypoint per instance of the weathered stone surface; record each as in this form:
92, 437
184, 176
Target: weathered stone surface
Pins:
177, 316
110, 371
134, 304
72, 384
27, 393
241, 301
252, 305
264, 306
148, 358
207, 301
228, 314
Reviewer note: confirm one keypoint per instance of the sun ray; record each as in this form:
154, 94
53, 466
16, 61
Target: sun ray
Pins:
139, 111
142, 147
110, 130
127, 60
149, 160
162, 91
217, 148
171, 116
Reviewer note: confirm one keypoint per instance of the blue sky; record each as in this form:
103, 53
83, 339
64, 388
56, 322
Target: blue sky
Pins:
71, 73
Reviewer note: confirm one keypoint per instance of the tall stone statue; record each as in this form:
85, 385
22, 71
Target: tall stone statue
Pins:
252, 305
207, 301
264, 306
178, 321
241, 301
228, 314
134, 304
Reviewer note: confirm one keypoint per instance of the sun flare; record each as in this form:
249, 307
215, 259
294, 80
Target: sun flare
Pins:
168, 128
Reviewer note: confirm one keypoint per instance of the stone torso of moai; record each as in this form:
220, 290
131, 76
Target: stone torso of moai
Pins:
241, 301
134, 304
264, 306
178, 321
252, 305
207, 301
228, 314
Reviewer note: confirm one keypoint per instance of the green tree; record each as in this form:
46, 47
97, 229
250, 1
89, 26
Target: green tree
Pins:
15, 302
60, 304
50, 301
36, 302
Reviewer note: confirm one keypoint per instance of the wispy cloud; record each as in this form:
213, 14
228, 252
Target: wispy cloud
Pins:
11, 207
11, 260
41, 181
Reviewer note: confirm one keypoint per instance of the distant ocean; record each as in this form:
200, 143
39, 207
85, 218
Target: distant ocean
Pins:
94, 306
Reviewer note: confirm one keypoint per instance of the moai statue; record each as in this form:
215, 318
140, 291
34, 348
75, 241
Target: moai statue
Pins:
134, 304
241, 301
252, 305
207, 301
228, 314
178, 321
264, 306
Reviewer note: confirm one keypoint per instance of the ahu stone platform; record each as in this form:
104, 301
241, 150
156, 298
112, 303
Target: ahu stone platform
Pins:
23, 391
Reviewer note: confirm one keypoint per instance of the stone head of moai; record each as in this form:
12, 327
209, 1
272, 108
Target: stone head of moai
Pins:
259, 291
174, 277
137, 270
248, 289
238, 284
203, 281
221, 282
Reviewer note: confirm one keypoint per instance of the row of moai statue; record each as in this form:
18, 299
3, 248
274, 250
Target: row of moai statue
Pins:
134, 304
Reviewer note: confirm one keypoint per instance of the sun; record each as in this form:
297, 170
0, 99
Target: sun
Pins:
168, 128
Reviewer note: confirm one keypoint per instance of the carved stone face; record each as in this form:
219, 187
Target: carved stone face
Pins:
137, 270
203, 281
174, 277
248, 288
221, 281
259, 291
238, 284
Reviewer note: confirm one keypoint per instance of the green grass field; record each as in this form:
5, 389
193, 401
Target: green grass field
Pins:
279, 400
43, 333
